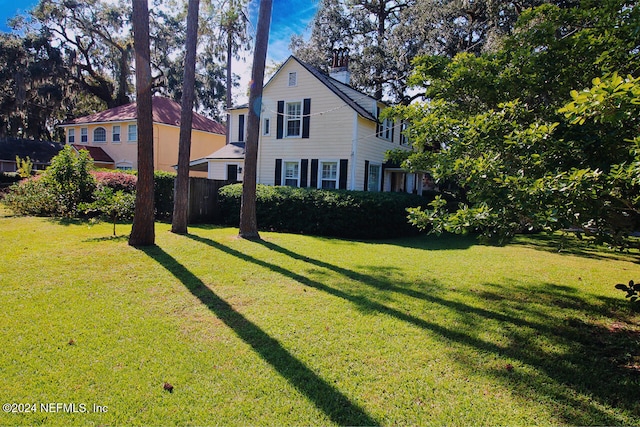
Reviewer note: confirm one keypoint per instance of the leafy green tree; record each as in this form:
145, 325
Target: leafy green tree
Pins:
495, 124
97, 38
33, 85
24, 167
69, 180
112, 205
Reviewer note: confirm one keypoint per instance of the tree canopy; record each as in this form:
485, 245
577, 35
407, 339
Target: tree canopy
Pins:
539, 134
76, 57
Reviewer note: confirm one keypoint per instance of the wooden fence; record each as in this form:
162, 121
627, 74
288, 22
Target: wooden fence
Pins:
203, 200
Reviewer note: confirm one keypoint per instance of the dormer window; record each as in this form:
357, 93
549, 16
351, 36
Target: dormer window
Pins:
293, 79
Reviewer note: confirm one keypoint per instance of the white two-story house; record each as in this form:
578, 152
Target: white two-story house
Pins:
316, 131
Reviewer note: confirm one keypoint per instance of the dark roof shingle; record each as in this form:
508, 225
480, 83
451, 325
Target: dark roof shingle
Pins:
37, 151
96, 153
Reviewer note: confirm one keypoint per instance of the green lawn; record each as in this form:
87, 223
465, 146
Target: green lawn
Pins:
299, 330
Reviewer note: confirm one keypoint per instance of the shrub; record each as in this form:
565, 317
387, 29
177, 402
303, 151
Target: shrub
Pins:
340, 213
116, 180
163, 194
31, 197
69, 180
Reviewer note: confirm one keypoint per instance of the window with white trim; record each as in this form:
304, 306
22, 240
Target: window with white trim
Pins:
293, 119
328, 175
115, 133
293, 79
100, 135
84, 135
132, 134
291, 172
386, 129
404, 138
266, 126
71, 136
124, 166
374, 174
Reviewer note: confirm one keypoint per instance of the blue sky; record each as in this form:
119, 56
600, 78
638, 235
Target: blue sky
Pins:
10, 8
288, 17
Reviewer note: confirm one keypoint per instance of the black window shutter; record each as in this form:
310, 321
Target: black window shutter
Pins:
304, 167
306, 118
366, 175
280, 120
343, 174
278, 176
314, 173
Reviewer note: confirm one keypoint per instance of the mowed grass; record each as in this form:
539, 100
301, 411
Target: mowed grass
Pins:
300, 330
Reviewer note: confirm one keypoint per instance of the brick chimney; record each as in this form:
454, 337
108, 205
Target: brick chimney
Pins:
340, 65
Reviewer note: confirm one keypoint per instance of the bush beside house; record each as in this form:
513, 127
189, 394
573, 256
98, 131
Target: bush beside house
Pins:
349, 214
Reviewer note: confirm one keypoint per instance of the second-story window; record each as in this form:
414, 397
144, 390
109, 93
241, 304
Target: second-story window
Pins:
133, 133
115, 135
266, 126
84, 135
241, 128
71, 136
100, 135
293, 118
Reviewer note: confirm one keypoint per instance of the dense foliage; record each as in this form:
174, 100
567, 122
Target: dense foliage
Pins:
71, 188
385, 36
350, 214
529, 147
69, 58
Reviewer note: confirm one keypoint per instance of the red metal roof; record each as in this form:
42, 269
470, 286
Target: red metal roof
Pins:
165, 111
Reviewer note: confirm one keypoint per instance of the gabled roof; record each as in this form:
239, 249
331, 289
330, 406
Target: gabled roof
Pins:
165, 111
359, 101
232, 151
96, 153
37, 151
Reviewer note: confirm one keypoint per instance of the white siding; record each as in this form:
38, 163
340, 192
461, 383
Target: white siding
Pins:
330, 127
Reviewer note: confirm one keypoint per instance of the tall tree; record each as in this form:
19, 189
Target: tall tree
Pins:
331, 28
225, 34
143, 230
98, 41
248, 218
33, 86
181, 200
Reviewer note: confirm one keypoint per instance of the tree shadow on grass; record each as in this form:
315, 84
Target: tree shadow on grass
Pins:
601, 356
326, 398
569, 244
569, 376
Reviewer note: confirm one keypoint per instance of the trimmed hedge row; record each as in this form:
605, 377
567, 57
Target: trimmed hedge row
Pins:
338, 213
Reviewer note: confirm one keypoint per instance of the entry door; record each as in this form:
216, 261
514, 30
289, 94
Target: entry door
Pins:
232, 173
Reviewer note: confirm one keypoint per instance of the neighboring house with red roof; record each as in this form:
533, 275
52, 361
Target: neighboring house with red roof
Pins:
111, 136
